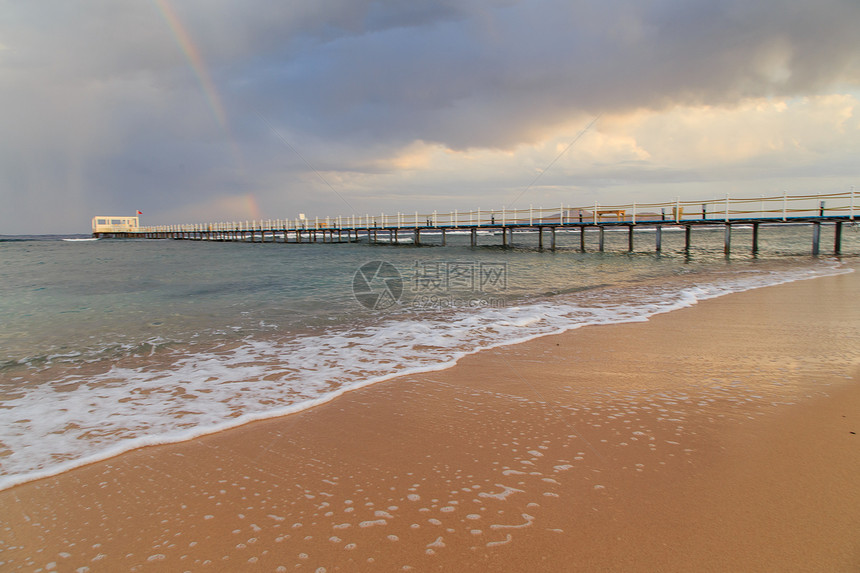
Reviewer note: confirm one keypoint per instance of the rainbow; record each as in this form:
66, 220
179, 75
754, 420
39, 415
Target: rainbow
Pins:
253, 207
192, 54
195, 61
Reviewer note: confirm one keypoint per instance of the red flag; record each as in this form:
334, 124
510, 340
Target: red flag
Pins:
139, 213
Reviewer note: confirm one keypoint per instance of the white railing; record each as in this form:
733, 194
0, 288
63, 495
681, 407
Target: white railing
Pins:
779, 207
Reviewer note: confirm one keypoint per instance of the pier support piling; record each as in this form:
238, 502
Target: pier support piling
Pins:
837, 238
816, 238
600, 239
755, 238
474, 237
552, 239
629, 238
658, 238
728, 242
582, 239
688, 229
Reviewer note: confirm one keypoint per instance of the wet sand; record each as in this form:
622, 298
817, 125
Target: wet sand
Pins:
716, 438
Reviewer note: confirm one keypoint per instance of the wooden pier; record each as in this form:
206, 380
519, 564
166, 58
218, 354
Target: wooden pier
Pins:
834, 209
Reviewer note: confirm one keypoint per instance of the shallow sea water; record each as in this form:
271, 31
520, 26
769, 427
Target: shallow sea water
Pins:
112, 344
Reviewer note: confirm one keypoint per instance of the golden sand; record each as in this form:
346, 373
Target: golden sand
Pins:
716, 438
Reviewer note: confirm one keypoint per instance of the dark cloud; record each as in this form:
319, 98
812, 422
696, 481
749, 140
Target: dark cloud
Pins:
497, 78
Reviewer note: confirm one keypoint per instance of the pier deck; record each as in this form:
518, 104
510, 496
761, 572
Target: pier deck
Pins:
810, 210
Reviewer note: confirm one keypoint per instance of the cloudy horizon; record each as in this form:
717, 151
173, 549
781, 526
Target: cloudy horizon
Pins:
195, 111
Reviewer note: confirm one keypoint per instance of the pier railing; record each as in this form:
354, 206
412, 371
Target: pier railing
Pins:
775, 207
834, 209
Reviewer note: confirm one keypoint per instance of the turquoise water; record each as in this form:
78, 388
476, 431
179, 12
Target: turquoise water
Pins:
111, 344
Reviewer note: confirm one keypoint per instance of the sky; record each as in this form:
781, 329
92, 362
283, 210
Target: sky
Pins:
214, 110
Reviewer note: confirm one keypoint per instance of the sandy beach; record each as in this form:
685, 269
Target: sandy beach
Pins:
716, 438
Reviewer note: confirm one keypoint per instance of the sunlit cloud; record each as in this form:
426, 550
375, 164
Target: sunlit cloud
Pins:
790, 130
685, 144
